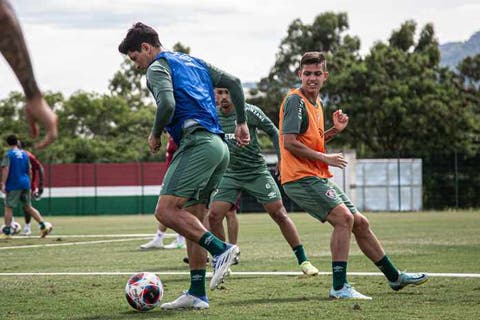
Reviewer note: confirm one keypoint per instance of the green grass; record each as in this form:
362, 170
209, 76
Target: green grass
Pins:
438, 242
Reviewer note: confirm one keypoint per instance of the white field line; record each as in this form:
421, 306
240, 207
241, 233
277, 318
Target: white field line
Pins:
130, 235
69, 244
246, 273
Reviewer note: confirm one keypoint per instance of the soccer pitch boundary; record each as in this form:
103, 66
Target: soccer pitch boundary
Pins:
240, 273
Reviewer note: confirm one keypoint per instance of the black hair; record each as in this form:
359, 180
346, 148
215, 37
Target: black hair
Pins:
314, 57
136, 35
12, 140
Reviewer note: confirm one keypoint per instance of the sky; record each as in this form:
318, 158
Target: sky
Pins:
73, 44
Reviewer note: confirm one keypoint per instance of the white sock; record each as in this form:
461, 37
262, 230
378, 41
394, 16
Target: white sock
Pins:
159, 235
180, 239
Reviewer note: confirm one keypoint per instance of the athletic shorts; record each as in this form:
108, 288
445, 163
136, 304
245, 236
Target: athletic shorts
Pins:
197, 167
262, 186
317, 196
18, 196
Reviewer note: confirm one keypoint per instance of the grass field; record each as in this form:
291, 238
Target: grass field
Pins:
435, 242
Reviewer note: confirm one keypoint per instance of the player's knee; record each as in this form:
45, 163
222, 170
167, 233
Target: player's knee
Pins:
361, 224
215, 217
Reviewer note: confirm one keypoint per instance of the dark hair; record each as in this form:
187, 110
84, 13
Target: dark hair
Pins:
136, 35
314, 57
12, 140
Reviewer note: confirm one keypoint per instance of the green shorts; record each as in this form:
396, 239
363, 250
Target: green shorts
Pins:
317, 196
197, 167
261, 185
15, 196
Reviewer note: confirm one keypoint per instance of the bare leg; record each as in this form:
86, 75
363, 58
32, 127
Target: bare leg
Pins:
170, 213
366, 239
232, 226
277, 212
34, 213
8, 216
342, 221
197, 256
218, 211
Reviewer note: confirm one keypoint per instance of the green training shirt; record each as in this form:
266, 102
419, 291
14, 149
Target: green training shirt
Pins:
247, 160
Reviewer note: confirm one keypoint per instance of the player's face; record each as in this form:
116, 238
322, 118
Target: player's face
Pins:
223, 100
313, 77
141, 58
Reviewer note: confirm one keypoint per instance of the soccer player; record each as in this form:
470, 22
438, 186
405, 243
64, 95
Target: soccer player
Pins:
15, 184
247, 172
305, 179
157, 241
14, 49
35, 187
182, 87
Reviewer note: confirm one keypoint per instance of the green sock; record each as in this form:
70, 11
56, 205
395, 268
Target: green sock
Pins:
212, 244
42, 225
339, 274
300, 254
197, 283
388, 269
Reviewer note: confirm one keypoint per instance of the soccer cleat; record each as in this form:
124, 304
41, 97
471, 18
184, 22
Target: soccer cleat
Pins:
308, 268
186, 301
221, 264
175, 245
404, 279
156, 243
347, 292
46, 230
26, 230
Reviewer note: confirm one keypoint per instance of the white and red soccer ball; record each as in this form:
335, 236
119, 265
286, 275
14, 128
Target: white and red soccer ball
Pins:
144, 291
15, 228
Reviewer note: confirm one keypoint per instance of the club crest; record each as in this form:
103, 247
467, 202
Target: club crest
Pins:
331, 194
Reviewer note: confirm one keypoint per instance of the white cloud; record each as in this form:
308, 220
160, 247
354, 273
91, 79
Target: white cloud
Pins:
74, 43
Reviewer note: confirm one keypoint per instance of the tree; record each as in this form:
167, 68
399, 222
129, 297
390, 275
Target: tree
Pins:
326, 33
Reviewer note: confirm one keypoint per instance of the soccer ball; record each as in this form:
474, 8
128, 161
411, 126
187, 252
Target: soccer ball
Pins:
143, 291
15, 228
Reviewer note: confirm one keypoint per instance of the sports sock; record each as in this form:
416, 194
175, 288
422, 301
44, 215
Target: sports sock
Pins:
388, 269
339, 274
42, 224
300, 254
197, 283
180, 239
212, 244
159, 235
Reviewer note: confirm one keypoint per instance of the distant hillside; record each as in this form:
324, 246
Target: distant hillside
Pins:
454, 52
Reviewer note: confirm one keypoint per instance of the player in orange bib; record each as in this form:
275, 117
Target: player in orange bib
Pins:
305, 179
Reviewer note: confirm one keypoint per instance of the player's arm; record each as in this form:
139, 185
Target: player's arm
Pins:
222, 79
340, 122
161, 86
265, 124
38, 167
5, 171
14, 49
159, 81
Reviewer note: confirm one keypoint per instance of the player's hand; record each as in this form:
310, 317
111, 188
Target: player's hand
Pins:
277, 170
340, 120
335, 160
242, 135
37, 112
154, 143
